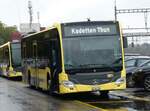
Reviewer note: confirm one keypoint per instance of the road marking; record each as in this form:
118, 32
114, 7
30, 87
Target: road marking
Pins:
90, 105
109, 102
131, 97
114, 109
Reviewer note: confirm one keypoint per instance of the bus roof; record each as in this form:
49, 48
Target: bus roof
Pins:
83, 22
4, 44
69, 23
7, 43
39, 32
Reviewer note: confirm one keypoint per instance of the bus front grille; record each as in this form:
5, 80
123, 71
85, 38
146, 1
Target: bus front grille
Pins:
93, 78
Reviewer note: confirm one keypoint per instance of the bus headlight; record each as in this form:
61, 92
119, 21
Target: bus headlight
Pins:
68, 84
120, 81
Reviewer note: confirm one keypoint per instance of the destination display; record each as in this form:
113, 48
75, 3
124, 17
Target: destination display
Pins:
70, 31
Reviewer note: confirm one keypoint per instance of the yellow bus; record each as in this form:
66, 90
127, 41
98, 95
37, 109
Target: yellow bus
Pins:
75, 57
10, 60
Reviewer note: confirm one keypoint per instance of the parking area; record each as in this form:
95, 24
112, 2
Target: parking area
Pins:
132, 99
138, 71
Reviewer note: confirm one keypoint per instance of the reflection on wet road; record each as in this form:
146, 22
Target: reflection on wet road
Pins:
15, 96
128, 100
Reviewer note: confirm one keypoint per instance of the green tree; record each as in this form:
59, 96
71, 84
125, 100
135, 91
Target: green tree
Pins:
5, 32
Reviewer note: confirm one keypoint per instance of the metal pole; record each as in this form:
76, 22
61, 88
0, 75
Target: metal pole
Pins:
115, 9
30, 12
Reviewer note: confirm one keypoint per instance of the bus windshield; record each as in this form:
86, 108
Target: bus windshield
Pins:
16, 54
91, 51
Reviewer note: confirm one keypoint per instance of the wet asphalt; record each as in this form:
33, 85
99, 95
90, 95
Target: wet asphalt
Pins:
16, 96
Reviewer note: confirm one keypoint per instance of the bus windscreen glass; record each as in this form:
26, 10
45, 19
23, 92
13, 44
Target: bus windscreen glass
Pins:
91, 46
16, 54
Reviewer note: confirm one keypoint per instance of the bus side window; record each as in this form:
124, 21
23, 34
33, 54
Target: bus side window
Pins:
34, 49
24, 50
6, 56
1, 55
55, 61
54, 57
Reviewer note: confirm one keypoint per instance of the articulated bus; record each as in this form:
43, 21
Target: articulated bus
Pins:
75, 57
10, 60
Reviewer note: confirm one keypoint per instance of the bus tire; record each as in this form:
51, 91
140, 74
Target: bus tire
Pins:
104, 94
50, 85
48, 81
29, 79
130, 81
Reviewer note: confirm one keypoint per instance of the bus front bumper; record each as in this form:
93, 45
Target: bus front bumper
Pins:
63, 89
12, 74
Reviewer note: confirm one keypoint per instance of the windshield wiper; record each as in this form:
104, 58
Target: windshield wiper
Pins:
103, 66
96, 66
86, 65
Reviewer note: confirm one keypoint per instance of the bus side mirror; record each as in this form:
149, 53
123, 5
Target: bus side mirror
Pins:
125, 42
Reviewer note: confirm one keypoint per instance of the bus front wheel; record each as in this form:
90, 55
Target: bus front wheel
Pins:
104, 94
29, 80
50, 87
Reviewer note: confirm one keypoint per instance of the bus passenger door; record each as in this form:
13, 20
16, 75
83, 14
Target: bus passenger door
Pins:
34, 75
55, 64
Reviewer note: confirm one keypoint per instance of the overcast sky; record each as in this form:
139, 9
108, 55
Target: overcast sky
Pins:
14, 12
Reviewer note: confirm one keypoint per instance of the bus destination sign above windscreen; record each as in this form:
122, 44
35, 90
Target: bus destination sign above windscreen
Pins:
70, 31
